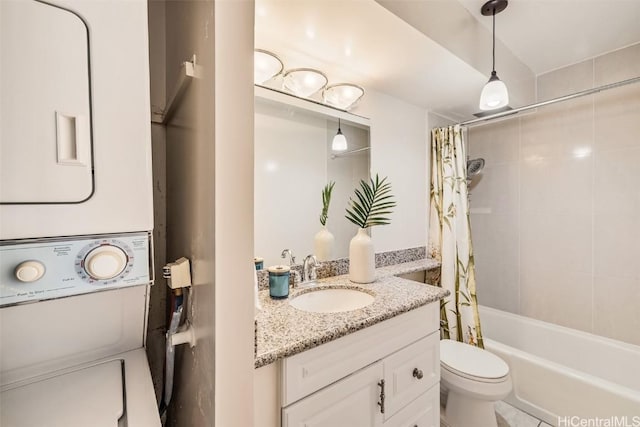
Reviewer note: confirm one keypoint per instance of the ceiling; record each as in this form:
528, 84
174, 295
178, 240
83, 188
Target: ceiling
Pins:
422, 54
551, 34
362, 42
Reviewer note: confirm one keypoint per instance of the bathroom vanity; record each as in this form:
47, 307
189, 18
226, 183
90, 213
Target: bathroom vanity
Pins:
334, 358
375, 366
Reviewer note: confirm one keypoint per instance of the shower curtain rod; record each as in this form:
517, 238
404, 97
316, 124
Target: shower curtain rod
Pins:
550, 101
346, 153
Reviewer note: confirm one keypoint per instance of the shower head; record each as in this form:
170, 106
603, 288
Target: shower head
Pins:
474, 167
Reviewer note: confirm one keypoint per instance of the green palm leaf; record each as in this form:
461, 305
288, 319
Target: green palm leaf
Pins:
372, 203
326, 200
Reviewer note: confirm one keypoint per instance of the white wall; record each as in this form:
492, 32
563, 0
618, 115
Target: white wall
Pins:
190, 185
234, 269
399, 150
210, 208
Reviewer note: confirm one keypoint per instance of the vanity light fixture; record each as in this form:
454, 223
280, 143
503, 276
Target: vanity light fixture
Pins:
339, 141
266, 66
304, 82
342, 95
494, 94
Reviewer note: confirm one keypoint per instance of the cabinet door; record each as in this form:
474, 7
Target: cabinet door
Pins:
351, 402
45, 105
422, 412
410, 372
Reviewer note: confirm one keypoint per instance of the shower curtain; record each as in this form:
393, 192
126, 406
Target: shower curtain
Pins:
450, 236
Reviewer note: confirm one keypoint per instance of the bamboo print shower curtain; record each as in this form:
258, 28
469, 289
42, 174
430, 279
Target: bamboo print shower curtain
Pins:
450, 236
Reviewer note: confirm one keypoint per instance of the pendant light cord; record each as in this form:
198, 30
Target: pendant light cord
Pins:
494, 41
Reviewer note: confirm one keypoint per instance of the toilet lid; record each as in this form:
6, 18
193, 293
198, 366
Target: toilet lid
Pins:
471, 360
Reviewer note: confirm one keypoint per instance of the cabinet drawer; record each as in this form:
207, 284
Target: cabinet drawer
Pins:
309, 371
422, 412
410, 372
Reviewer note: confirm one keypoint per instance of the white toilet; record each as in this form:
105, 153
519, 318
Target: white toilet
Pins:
475, 379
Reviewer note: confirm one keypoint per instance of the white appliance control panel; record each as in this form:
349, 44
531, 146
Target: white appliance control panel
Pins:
34, 270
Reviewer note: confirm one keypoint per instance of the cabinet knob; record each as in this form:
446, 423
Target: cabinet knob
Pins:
417, 373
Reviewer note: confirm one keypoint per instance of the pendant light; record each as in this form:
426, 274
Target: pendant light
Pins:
494, 94
339, 141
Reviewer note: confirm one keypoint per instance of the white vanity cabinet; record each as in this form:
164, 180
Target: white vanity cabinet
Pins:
385, 375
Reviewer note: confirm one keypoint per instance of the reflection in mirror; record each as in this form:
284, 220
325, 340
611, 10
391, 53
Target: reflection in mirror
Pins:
293, 162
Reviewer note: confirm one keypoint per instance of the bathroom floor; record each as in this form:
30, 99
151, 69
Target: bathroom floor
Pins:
509, 416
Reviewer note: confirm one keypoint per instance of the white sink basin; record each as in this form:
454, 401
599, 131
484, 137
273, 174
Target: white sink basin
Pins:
332, 300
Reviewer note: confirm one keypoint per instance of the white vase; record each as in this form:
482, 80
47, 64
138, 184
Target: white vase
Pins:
362, 261
323, 244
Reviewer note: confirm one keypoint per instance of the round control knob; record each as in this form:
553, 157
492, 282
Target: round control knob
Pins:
105, 262
29, 271
417, 373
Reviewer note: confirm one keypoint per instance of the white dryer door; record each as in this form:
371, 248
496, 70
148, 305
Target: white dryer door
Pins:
45, 105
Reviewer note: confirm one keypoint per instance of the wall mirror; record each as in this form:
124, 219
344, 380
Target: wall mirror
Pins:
293, 162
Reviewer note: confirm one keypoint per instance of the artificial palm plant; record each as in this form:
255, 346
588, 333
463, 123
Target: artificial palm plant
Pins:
373, 203
326, 200
323, 240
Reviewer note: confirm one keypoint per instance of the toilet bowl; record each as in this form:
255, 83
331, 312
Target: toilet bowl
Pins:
474, 379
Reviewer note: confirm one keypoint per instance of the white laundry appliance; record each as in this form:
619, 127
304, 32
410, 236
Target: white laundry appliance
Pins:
76, 214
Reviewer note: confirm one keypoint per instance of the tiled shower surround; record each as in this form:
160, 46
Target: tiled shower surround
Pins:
556, 212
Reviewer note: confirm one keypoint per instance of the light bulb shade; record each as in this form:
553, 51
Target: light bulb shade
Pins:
342, 95
494, 94
266, 66
339, 142
304, 82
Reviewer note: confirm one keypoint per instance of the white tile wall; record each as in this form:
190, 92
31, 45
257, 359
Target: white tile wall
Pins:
555, 214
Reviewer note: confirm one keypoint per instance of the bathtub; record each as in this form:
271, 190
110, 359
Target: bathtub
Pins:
559, 373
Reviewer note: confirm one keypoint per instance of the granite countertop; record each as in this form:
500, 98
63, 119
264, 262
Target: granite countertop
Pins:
283, 330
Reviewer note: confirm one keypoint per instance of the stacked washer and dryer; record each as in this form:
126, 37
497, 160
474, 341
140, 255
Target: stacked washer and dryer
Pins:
76, 214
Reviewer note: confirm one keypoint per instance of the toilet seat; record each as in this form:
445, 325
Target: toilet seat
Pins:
471, 362
471, 377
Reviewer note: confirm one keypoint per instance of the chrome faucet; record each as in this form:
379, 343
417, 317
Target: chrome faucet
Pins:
309, 272
292, 259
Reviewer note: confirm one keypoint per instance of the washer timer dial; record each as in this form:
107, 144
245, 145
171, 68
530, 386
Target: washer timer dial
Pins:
104, 261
